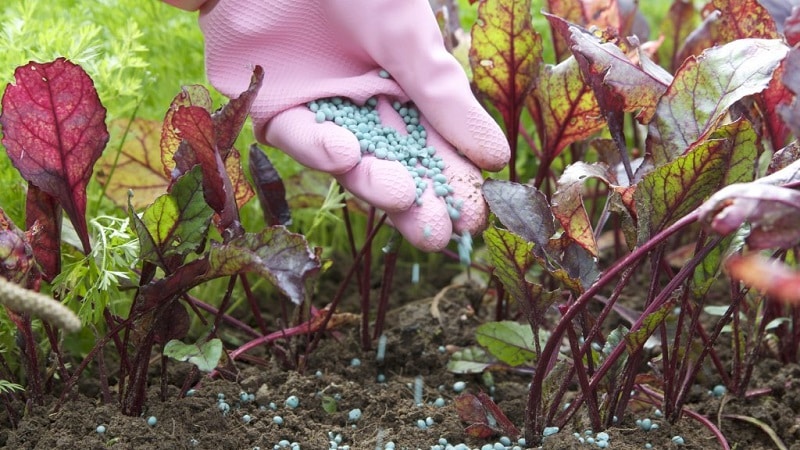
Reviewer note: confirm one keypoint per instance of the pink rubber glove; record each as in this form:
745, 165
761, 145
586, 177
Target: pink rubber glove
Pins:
313, 49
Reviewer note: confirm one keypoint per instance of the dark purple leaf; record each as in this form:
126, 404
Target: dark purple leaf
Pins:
54, 130
269, 188
194, 125
229, 120
172, 322
43, 219
522, 209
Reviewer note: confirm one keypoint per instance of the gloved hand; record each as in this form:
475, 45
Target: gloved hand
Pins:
313, 49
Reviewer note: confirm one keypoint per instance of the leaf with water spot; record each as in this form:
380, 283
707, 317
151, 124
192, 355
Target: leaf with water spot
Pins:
54, 130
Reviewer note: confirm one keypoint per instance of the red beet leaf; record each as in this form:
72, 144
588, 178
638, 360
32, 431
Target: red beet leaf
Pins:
54, 130
43, 220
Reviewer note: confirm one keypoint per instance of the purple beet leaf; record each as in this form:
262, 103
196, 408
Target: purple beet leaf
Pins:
43, 220
269, 188
54, 130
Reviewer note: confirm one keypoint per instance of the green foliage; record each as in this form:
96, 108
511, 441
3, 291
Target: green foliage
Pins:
90, 283
204, 355
7, 387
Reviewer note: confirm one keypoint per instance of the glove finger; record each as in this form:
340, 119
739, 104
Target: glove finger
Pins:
383, 184
411, 48
324, 146
427, 227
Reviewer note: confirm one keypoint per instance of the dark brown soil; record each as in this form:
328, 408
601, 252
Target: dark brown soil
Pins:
388, 409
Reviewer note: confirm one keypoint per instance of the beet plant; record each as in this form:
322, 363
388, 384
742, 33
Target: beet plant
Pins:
182, 229
649, 179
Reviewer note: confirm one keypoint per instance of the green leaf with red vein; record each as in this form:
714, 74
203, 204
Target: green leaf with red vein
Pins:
276, 254
505, 56
726, 21
194, 125
229, 120
567, 203
572, 12
137, 166
178, 221
676, 188
743, 19
636, 338
680, 21
194, 95
43, 220
563, 107
54, 130
705, 88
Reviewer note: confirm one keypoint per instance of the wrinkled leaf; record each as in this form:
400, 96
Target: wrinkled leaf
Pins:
784, 157
773, 213
54, 130
636, 339
138, 165
563, 107
43, 219
269, 188
276, 254
675, 189
510, 342
194, 95
178, 221
229, 120
505, 55
704, 89
619, 84
204, 355
769, 276
522, 209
